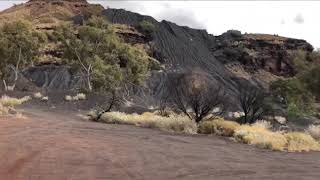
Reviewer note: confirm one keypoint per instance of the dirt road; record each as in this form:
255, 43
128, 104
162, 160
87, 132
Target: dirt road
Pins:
61, 146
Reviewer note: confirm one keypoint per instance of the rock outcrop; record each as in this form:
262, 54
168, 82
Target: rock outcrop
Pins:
271, 53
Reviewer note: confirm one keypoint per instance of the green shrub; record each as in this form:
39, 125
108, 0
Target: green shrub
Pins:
296, 96
147, 26
154, 64
311, 79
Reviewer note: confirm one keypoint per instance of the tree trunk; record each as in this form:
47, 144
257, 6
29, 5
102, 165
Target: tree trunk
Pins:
5, 84
89, 82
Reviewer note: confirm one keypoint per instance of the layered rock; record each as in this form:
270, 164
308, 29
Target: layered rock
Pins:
271, 53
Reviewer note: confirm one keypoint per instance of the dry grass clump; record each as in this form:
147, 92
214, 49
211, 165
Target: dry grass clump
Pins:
68, 98
79, 96
173, 123
314, 131
38, 95
263, 124
298, 141
3, 110
260, 136
218, 126
45, 98
11, 102
7, 103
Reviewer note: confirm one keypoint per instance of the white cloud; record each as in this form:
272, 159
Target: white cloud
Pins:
299, 19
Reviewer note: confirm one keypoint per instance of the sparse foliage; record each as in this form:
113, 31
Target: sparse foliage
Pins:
99, 54
147, 27
19, 47
252, 102
195, 94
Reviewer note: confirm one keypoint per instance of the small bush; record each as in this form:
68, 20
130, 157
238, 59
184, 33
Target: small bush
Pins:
45, 98
263, 124
7, 103
38, 95
147, 26
3, 110
81, 96
78, 97
261, 137
314, 131
218, 126
298, 141
68, 98
174, 123
11, 102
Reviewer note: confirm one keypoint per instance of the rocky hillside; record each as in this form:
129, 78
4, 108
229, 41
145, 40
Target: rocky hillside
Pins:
229, 58
259, 58
46, 14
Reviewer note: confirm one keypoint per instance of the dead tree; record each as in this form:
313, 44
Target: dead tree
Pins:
195, 94
111, 103
252, 102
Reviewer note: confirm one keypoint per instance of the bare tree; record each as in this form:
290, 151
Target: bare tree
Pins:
195, 94
110, 104
252, 102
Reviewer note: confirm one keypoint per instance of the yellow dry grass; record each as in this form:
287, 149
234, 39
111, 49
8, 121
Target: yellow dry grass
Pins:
7, 103
79, 96
218, 126
257, 134
298, 141
174, 123
37, 95
261, 137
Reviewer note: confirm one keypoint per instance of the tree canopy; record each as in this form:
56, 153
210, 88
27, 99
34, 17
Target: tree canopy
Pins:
104, 60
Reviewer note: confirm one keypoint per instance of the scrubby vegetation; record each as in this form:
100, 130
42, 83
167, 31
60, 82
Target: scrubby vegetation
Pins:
173, 123
218, 126
195, 94
259, 134
79, 96
8, 103
298, 141
300, 93
19, 48
314, 131
147, 27
253, 103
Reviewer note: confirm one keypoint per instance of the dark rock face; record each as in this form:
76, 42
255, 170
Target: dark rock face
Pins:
183, 48
179, 48
53, 77
259, 51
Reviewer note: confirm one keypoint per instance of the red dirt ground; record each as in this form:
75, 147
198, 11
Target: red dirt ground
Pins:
57, 145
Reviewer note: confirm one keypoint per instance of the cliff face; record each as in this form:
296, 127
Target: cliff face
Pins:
230, 57
178, 48
270, 53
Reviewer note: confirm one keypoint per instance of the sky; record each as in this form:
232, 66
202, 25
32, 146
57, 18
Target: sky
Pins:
296, 19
